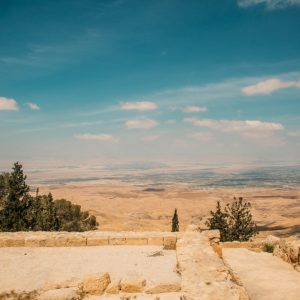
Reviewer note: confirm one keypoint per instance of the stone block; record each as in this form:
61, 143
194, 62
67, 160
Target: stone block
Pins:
114, 287
271, 240
12, 241
117, 241
156, 241
133, 285
235, 244
170, 243
35, 242
96, 284
60, 294
136, 241
159, 288
212, 235
97, 241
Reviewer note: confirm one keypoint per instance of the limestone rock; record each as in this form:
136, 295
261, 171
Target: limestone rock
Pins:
213, 235
96, 284
132, 285
60, 294
158, 288
114, 287
170, 243
271, 240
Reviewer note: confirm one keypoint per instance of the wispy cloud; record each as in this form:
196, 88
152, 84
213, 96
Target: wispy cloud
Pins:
141, 105
141, 124
33, 106
270, 4
8, 104
192, 109
150, 138
201, 136
294, 133
95, 137
235, 126
269, 86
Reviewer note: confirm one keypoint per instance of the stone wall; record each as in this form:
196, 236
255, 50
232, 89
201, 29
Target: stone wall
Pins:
90, 238
289, 251
204, 275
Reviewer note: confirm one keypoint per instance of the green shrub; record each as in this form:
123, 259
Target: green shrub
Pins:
235, 222
268, 248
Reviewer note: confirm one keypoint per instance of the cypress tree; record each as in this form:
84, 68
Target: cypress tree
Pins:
175, 222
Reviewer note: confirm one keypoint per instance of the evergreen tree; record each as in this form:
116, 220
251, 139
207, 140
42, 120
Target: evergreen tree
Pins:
21, 211
235, 223
219, 221
175, 222
240, 223
11, 215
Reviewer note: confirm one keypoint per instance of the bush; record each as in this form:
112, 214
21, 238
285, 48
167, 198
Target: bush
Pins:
71, 218
268, 248
235, 222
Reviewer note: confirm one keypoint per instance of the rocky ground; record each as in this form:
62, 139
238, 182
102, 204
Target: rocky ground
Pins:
264, 276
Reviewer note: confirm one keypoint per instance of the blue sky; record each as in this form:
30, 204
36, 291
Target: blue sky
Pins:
168, 80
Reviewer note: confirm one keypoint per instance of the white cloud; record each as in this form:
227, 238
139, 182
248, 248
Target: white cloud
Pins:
141, 123
33, 106
8, 104
269, 86
201, 136
235, 126
191, 109
95, 137
141, 106
294, 133
270, 4
150, 138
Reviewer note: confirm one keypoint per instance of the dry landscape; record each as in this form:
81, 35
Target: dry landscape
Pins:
140, 207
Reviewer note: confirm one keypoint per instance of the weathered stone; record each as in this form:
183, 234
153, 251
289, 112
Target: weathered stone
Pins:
114, 287
117, 241
156, 241
234, 244
217, 248
170, 243
12, 241
35, 242
60, 294
136, 241
132, 285
213, 235
203, 273
192, 227
271, 240
158, 288
96, 284
72, 282
96, 241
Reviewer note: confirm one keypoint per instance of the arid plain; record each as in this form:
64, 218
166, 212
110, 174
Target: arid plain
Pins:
120, 206
143, 198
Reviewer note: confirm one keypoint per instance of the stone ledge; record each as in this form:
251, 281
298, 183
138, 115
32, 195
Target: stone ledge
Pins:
92, 238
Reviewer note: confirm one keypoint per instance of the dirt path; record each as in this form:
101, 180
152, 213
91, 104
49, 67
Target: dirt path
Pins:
264, 276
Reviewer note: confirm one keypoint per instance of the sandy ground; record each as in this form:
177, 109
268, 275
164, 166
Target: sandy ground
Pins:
264, 276
26, 269
128, 206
